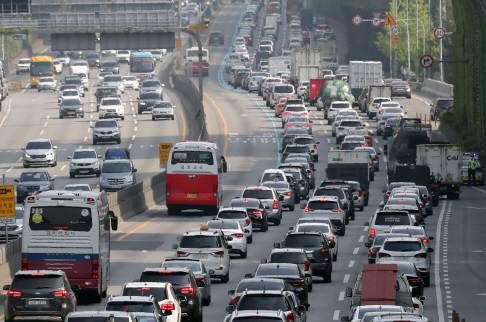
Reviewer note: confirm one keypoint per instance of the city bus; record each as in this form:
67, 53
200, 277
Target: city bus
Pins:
70, 231
194, 177
40, 66
142, 65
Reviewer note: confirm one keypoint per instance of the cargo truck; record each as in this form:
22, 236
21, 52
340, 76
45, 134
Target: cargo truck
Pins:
420, 175
328, 48
271, 22
363, 74
305, 64
375, 91
293, 8
278, 64
350, 165
315, 85
445, 163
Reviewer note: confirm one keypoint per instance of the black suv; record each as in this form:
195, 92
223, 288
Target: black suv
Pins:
256, 211
318, 250
146, 101
440, 105
216, 37
185, 286
42, 293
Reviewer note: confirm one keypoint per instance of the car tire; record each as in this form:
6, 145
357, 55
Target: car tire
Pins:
207, 301
346, 220
264, 228
72, 175
98, 173
244, 255
334, 257
292, 208
118, 141
61, 117
139, 111
427, 281
361, 208
372, 177
123, 118
225, 279
82, 116
153, 118
342, 231
94, 142
366, 202
96, 297
276, 222
38, 90
250, 239
327, 277
54, 165
172, 118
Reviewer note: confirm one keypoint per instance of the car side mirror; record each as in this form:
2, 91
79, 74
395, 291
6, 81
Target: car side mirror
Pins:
230, 308
22, 149
367, 245
366, 223
229, 246
332, 244
75, 287
231, 292
16, 180
174, 246
280, 151
249, 275
247, 231
301, 308
431, 238
276, 245
69, 158
182, 300
422, 298
134, 170
228, 238
114, 220
263, 261
281, 198
291, 228
52, 179
6, 287
430, 250
378, 153
416, 223
349, 292
99, 156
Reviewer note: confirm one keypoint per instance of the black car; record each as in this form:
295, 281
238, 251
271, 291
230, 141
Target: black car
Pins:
93, 59
318, 249
257, 284
110, 66
41, 293
256, 211
185, 286
389, 127
440, 105
216, 37
146, 101
290, 273
306, 37
71, 108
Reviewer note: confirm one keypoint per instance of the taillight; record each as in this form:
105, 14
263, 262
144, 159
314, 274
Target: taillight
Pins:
425, 240
169, 305
325, 251
290, 317
307, 265
340, 128
218, 254
25, 264
414, 281
315, 145
307, 125
287, 113
331, 110
307, 209
215, 190
371, 162
182, 254
437, 107
372, 251
247, 221
289, 193
310, 173
275, 204
420, 255
331, 238
407, 88
14, 294
187, 290
256, 212
416, 306
336, 210
273, 95
381, 255
305, 113
360, 192
60, 294
301, 282
94, 268
372, 232
289, 125
168, 190
239, 235
388, 194
432, 185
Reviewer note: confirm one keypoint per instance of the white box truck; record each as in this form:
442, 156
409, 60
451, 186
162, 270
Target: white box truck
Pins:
271, 22
278, 64
445, 163
328, 48
363, 74
310, 58
375, 91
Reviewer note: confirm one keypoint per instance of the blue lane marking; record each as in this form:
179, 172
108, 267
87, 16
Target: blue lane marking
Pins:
222, 82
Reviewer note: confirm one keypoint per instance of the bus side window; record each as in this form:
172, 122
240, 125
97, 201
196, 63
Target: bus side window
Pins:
225, 165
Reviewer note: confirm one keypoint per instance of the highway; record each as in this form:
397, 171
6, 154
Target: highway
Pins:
249, 136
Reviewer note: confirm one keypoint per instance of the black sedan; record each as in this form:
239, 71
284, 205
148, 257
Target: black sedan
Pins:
71, 108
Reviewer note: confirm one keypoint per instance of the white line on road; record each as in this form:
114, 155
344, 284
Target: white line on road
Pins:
90, 123
45, 124
355, 251
42, 132
376, 140
361, 239
346, 278
384, 159
341, 296
335, 317
351, 264
381, 149
133, 137
20, 159
89, 129
328, 140
85, 138
63, 167
10, 169
135, 129
8, 112
129, 146
91, 116
47, 117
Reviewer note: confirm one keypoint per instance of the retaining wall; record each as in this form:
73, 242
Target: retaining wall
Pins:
437, 88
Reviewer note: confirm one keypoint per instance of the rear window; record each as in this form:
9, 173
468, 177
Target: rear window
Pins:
379, 100
303, 141
302, 241
402, 201
297, 149
244, 203
402, 246
392, 219
349, 146
175, 278
292, 258
157, 292
200, 242
284, 89
262, 302
219, 224
277, 185
273, 177
232, 215
130, 306
36, 282
60, 218
329, 192
192, 157
393, 110
340, 105
414, 231
98, 318
273, 270
445, 103
295, 109
350, 124
258, 317
392, 121
261, 285
312, 228
322, 205
258, 194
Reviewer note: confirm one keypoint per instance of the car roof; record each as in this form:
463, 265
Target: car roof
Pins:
287, 250
85, 149
406, 239
118, 161
330, 198
258, 188
39, 140
121, 298
208, 232
232, 208
161, 269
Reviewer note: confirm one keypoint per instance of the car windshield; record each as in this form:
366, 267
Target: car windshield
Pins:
130, 78
163, 105
302, 241
46, 80
402, 246
322, 205
200, 241
116, 167
111, 102
220, 224
392, 121
329, 192
157, 292
277, 270
113, 78
258, 193
270, 302
38, 145
84, 155
284, 89
260, 285
277, 185
101, 92
24, 61
77, 188
193, 266
66, 218
150, 96
124, 52
303, 141
81, 75
406, 269
79, 63
352, 124
296, 149
33, 176
349, 145
272, 176
297, 108
232, 214
292, 258
92, 56
297, 119
391, 219
71, 103
70, 93
74, 81
401, 201
313, 228
132, 306
151, 84
363, 310
105, 124
445, 103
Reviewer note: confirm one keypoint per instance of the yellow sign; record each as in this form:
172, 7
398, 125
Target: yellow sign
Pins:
197, 27
164, 149
178, 43
389, 21
396, 40
7, 204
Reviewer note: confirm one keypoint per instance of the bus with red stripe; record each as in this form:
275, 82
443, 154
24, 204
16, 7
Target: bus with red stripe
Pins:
70, 231
194, 177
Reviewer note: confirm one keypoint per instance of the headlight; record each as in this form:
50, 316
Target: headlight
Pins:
97, 60
20, 186
141, 103
74, 164
46, 186
94, 163
103, 180
27, 155
130, 180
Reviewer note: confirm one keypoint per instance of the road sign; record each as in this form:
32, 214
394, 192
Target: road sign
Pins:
164, 149
395, 31
439, 33
178, 43
389, 21
376, 22
7, 204
357, 20
377, 14
426, 61
396, 40
197, 27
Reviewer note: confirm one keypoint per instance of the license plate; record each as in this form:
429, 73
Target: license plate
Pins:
84, 171
37, 302
443, 188
71, 113
401, 258
192, 195
200, 255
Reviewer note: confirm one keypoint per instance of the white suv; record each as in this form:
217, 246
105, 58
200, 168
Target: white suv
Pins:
209, 246
272, 175
279, 91
293, 110
335, 108
373, 107
111, 107
326, 207
343, 127
240, 215
407, 249
84, 162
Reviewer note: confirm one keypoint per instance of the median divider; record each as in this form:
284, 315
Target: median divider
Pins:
437, 88
10, 260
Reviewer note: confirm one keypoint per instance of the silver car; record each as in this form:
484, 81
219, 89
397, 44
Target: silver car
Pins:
269, 198
117, 175
151, 86
283, 189
115, 81
254, 83
39, 152
106, 130
14, 230
374, 155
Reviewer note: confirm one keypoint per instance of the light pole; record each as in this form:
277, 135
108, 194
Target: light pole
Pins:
408, 45
440, 43
430, 50
416, 39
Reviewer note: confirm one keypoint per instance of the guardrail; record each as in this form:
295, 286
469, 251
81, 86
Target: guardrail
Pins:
437, 88
10, 250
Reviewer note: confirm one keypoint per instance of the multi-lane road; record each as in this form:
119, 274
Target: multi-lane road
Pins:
249, 136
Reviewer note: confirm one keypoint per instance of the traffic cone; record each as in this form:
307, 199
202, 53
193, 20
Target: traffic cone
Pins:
454, 316
20, 84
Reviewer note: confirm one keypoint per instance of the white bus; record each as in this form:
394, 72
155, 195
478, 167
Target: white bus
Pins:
70, 231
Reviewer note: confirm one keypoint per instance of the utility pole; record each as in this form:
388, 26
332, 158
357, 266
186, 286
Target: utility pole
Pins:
408, 46
416, 40
440, 43
430, 49
396, 17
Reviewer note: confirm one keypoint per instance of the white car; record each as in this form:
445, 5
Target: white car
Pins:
84, 162
311, 143
23, 65
115, 81
80, 67
329, 208
373, 107
162, 110
232, 228
272, 175
209, 246
57, 66
68, 94
293, 110
238, 46
240, 215
108, 52
295, 41
123, 56
324, 229
407, 249
343, 127
84, 79
111, 107
239, 41
77, 187
47, 83
243, 52
359, 311
302, 87
334, 109
102, 75
131, 82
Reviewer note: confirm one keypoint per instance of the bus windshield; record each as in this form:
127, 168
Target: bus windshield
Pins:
41, 68
60, 218
142, 64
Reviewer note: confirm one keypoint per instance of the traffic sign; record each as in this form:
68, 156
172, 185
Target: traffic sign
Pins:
377, 14
389, 21
164, 149
7, 204
357, 20
197, 27
396, 40
395, 31
439, 33
178, 43
376, 22
426, 61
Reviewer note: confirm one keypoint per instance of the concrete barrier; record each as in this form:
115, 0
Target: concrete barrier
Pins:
10, 260
437, 88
